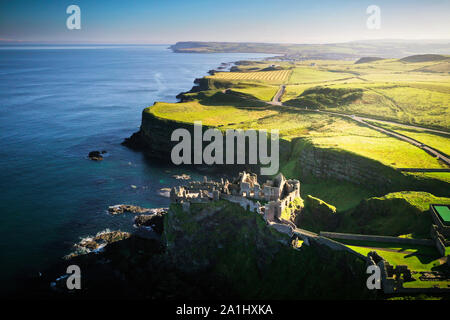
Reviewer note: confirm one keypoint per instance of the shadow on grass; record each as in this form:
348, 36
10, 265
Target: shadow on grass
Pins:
235, 99
423, 258
442, 268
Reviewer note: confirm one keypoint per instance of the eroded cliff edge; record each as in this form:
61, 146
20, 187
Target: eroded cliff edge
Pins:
299, 159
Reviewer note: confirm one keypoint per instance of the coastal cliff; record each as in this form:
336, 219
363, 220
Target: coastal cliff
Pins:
235, 246
298, 159
217, 250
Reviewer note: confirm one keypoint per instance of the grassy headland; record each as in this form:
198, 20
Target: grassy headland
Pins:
336, 158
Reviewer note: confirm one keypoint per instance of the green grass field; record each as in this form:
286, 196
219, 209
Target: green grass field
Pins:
417, 258
321, 130
304, 74
388, 89
256, 90
407, 92
343, 195
438, 141
412, 93
396, 214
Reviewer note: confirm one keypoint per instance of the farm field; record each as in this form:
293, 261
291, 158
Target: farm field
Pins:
301, 75
271, 76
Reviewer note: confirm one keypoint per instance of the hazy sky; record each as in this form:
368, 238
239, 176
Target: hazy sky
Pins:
168, 21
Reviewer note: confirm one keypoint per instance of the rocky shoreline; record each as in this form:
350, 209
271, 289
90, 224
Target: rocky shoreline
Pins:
169, 255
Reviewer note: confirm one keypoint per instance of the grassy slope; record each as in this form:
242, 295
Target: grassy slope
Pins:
395, 214
343, 195
417, 259
214, 107
392, 89
323, 131
257, 90
434, 140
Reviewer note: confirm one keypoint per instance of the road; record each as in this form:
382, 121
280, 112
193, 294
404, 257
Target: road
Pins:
435, 153
407, 126
276, 101
364, 121
277, 97
431, 151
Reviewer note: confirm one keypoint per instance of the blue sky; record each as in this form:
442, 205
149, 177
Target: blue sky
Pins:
168, 21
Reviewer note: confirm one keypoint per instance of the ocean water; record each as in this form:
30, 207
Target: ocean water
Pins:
58, 103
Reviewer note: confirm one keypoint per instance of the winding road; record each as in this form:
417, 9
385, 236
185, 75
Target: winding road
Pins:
276, 101
277, 97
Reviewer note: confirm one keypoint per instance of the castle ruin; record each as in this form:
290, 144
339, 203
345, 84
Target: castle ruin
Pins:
276, 194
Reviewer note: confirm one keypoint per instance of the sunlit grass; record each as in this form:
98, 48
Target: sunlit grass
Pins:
413, 258
209, 115
272, 76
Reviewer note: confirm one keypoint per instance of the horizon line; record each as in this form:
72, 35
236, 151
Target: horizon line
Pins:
39, 42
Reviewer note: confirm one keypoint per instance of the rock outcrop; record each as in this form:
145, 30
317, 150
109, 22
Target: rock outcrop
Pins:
97, 242
154, 221
96, 155
126, 208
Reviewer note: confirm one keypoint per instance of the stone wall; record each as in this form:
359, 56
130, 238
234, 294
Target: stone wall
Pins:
243, 202
440, 246
357, 237
334, 245
283, 228
438, 239
387, 282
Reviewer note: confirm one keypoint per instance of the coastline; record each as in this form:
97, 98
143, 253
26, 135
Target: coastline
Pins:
131, 244
66, 194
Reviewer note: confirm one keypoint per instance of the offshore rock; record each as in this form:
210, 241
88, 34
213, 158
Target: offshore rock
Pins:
96, 155
125, 208
181, 176
98, 242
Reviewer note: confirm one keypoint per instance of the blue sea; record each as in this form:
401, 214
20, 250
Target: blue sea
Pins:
58, 103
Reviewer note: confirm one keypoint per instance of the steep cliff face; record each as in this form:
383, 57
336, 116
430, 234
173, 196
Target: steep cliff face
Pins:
298, 159
236, 247
156, 133
154, 138
342, 165
217, 250
309, 163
